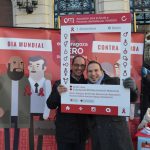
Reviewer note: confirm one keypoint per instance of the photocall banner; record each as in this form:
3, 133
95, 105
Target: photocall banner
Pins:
35, 49
90, 98
26, 43
29, 65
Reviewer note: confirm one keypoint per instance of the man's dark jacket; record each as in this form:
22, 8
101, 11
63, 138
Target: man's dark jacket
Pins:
145, 103
110, 132
69, 127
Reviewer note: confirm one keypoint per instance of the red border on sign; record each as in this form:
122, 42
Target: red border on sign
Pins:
88, 109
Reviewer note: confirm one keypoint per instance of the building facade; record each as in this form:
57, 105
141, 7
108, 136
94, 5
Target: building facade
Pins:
47, 12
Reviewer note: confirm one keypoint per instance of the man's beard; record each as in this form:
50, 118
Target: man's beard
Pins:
15, 75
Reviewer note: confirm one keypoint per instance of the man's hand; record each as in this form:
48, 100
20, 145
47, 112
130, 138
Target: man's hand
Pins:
61, 89
129, 83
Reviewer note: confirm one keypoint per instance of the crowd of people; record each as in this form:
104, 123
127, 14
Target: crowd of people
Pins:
106, 132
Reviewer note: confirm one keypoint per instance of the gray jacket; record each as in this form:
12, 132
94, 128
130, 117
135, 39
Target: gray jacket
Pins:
23, 102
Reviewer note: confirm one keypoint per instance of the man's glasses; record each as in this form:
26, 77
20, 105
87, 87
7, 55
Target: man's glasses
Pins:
78, 65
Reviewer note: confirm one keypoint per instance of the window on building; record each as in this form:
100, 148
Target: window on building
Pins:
70, 7
141, 18
141, 11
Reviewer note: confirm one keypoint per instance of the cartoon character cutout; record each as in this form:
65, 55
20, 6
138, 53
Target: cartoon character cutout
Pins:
40, 86
15, 106
12, 87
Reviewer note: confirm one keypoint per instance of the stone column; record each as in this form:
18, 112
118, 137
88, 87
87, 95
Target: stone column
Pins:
42, 16
112, 6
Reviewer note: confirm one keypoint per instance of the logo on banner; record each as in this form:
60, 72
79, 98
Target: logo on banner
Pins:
67, 108
80, 108
124, 18
108, 110
93, 109
123, 111
68, 20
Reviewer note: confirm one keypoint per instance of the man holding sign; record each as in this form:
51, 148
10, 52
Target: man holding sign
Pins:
71, 129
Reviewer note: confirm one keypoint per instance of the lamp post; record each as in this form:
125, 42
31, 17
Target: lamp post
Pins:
28, 5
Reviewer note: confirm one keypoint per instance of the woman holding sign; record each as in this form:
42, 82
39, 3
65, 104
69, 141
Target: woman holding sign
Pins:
109, 132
